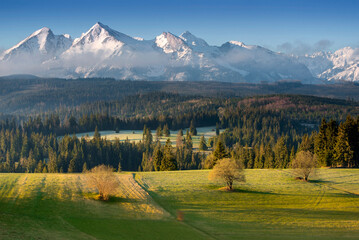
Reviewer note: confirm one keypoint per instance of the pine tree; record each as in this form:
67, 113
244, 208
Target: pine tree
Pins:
217, 129
268, 157
166, 131
220, 151
157, 157
203, 144
281, 157
159, 132
179, 139
343, 152
169, 160
188, 141
119, 167
25, 147
192, 129
72, 166
320, 144
97, 134
52, 163
259, 157
30, 163
84, 167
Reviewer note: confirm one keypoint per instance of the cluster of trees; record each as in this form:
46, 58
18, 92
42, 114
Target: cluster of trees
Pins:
337, 144
27, 151
87, 123
158, 157
35, 152
334, 145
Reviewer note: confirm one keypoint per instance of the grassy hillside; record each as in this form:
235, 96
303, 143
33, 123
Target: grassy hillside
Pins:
269, 205
59, 206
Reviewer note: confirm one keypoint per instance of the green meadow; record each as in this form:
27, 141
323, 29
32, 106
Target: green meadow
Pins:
136, 135
270, 205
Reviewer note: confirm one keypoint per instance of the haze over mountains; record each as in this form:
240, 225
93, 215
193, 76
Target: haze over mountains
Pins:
104, 52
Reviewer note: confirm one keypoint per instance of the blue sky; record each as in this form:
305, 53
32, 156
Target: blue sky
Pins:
285, 25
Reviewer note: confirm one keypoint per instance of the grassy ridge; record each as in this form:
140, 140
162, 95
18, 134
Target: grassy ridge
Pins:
269, 205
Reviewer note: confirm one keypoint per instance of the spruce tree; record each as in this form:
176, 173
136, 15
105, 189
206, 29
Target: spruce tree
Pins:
203, 144
84, 167
97, 134
157, 157
343, 153
217, 129
188, 141
169, 160
166, 130
192, 129
179, 139
159, 132
281, 156
268, 157
220, 151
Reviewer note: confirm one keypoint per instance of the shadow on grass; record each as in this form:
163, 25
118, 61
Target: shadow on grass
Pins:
112, 199
237, 190
319, 181
252, 191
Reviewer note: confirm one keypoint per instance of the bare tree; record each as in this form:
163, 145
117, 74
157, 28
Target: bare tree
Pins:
227, 170
103, 179
304, 164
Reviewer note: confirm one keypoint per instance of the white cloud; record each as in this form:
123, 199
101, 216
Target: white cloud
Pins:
302, 48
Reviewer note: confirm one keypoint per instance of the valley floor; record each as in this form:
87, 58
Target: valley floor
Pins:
270, 205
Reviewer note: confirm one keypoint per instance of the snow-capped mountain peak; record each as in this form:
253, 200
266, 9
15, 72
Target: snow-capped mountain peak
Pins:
192, 40
101, 34
104, 52
198, 44
237, 43
170, 43
41, 44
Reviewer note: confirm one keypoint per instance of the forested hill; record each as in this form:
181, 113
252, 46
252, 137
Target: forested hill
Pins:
261, 131
24, 94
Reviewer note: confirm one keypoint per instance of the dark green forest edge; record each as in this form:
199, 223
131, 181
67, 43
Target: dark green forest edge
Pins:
264, 131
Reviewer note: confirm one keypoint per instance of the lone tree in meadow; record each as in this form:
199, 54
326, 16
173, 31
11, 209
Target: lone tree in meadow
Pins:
227, 170
103, 179
304, 164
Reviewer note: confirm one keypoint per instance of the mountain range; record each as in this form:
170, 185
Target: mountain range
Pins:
104, 52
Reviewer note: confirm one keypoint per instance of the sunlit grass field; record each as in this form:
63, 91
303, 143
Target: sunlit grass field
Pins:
270, 205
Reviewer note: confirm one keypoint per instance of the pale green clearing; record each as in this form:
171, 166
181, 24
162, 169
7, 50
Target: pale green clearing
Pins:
136, 135
270, 205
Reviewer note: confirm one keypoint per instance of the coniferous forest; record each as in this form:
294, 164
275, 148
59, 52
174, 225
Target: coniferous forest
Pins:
261, 132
